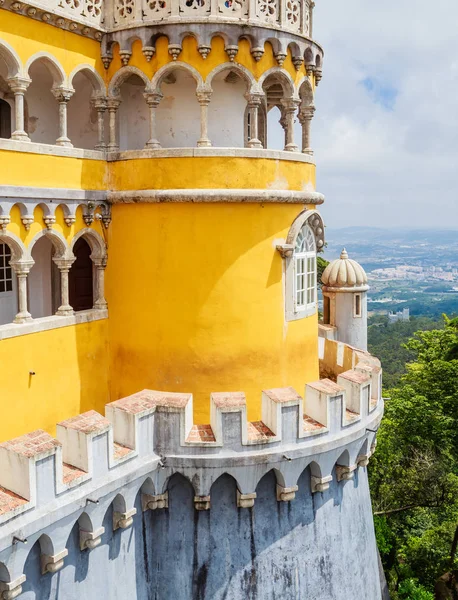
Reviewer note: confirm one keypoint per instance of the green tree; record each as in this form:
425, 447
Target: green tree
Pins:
414, 473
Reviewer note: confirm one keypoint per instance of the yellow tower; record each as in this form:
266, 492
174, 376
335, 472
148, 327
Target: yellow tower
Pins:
169, 143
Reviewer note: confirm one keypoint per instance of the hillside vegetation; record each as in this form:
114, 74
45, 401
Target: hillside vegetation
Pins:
414, 473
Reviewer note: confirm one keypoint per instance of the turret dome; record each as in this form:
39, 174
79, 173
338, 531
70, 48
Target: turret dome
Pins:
345, 273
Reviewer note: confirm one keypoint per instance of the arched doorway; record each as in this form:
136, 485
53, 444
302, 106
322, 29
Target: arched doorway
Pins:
81, 278
5, 119
43, 280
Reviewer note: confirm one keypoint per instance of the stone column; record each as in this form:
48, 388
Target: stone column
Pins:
100, 104
63, 96
22, 270
254, 102
305, 119
204, 100
290, 107
99, 289
18, 86
64, 265
152, 99
113, 105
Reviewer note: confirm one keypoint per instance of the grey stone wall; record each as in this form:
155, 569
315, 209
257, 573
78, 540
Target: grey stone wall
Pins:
316, 547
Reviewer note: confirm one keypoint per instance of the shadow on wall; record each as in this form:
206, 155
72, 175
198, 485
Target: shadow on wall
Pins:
319, 546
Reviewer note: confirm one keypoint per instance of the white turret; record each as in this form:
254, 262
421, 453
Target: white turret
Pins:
345, 300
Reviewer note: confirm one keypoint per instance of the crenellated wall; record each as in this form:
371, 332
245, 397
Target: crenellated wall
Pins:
95, 499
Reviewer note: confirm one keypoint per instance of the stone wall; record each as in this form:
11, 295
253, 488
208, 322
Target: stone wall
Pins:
318, 546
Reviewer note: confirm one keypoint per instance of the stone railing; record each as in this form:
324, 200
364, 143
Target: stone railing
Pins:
111, 15
80, 16
291, 15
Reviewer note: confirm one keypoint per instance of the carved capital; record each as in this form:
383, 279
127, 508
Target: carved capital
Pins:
19, 85
100, 103
153, 98
306, 114
62, 94
113, 104
254, 100
290, 105
204, 97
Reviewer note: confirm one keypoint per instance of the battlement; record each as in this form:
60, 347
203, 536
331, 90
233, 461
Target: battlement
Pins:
97, 461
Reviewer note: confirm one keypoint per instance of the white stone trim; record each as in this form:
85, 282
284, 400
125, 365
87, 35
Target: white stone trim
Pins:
216, 195
38, 194
50, 149
11, 58
12, 330
205, 152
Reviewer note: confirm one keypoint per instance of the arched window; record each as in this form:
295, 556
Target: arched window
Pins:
305, 270
8, 291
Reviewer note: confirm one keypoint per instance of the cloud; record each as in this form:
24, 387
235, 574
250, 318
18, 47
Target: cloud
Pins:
385, 133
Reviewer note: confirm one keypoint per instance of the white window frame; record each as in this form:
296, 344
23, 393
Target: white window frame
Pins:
6, 254
301, 301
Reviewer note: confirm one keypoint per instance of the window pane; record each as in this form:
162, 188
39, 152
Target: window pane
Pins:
9, 286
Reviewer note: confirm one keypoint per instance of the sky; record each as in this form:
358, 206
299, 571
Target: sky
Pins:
385, 132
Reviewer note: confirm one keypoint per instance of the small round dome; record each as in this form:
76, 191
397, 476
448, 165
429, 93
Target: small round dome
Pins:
344, 273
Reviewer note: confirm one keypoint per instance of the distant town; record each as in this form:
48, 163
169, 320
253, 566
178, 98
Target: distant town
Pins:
410, 272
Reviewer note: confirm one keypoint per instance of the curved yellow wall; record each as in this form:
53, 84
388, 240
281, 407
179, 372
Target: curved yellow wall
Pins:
196, 302
211, 172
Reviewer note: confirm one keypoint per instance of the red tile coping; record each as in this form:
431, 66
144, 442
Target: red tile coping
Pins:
356, 376
229, 399
149, 399
257, 430
88, 422
71, 473
10, 501
201, 433
121, 451
327, 386
312, 425
351, 416
281, 395
32, 444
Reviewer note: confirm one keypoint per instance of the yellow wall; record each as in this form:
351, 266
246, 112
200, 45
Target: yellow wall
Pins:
71, 366
210, 172
29, 36
41, 170
195, 294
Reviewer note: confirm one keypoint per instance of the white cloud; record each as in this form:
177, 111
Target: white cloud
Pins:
376, 166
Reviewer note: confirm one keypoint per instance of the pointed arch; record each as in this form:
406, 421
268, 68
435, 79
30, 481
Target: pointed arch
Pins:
94, 77
242, 71
281, 76
175, 66
57, 239
12, 60
95, 241
121, 76
52, 64
18, 250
